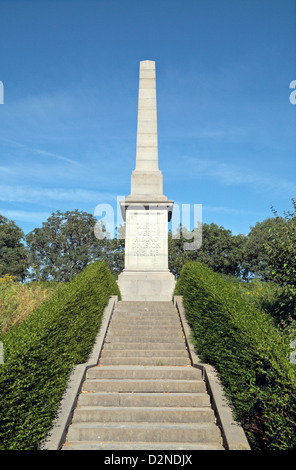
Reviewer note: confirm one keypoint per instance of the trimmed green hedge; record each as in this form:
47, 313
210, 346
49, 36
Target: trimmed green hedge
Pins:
40, 354
249, 354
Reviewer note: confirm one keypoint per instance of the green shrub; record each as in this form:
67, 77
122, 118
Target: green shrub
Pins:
40, 353
264, 295
250, 356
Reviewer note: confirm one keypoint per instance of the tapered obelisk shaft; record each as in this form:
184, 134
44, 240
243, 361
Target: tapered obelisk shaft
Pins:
147, 144
146, 179
146, 210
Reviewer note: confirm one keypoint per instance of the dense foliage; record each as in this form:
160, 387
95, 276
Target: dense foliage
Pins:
63, 246
40, 353
256, 259
243, 328
13, 255
251, 357
67, 242
281, 251
220, 250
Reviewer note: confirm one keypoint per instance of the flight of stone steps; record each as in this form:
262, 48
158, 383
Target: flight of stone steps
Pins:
144, 393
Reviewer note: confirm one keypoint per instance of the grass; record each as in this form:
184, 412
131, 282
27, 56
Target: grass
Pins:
268, 296
18, 301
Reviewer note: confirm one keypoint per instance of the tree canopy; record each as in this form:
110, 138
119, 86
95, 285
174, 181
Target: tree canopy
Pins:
13, 254
67, 242
63, 246
220, 250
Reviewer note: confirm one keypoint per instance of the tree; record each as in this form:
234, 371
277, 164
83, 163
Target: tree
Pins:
256, 260
115, 251
281, 251
13, 254
220, 250
64, 245
177, 256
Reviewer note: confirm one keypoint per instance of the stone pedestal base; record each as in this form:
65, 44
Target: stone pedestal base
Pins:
151, 286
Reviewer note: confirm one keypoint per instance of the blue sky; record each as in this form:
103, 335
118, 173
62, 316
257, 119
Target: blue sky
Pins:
226, 127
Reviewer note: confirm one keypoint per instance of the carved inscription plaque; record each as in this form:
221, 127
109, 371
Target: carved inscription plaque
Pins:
145, 240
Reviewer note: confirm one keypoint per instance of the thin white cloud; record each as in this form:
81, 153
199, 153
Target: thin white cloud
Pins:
54, 155
5, 169
42, 152
25, 216
10, 193
229, 210
231, 175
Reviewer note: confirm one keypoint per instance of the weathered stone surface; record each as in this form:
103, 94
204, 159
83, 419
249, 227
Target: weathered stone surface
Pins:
146, 275
140, 397
147, 178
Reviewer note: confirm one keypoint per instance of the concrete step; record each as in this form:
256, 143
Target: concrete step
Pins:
128, 324
153, 361
180, 344
144, 353
145, 432
147, 306
157, 316
125, 329
180, 399
144, 304
162, 310
142, 372
153, 316
159, 414
174, 334
139, 385
91, 445
144, 393
138, 330
148, 313
148, 336
144, 318
153, 338
146, 310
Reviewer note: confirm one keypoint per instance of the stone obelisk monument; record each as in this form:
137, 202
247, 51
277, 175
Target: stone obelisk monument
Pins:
146, 210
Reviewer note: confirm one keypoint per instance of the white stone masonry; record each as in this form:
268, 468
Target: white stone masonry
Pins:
146, 210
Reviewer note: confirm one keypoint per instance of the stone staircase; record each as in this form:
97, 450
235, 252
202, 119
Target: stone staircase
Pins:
144, 393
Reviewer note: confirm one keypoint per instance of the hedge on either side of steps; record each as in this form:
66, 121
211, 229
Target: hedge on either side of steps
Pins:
249, 354
40, 353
